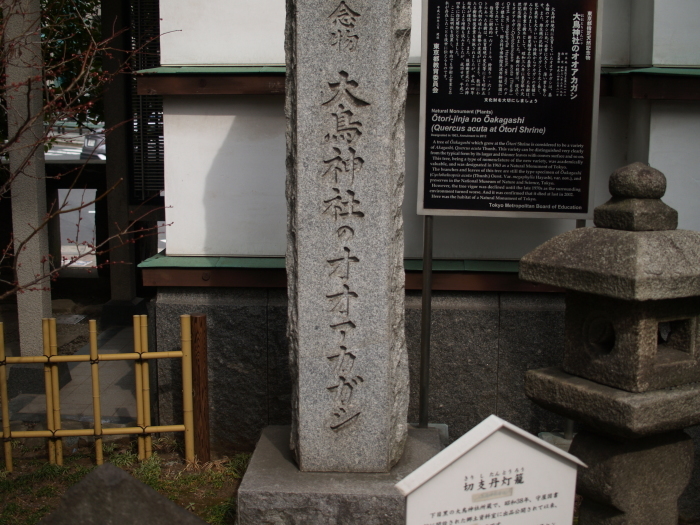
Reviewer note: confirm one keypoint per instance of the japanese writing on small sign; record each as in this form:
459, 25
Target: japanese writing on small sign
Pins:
495, 474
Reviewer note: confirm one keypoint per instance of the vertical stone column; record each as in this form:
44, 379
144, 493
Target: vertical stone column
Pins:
346, 90
25, 119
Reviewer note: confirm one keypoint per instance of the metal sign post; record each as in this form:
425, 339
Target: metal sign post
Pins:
426, 315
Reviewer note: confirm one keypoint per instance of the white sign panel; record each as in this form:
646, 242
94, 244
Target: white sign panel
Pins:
496, 474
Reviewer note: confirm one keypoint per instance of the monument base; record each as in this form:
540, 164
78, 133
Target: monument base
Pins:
275, 491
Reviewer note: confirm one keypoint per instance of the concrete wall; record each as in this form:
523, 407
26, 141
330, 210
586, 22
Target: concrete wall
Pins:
228, 198
482, 345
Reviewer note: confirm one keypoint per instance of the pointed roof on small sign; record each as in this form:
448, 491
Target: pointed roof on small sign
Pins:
496, 470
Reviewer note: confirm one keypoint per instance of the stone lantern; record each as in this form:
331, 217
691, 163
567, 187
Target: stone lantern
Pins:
632, 352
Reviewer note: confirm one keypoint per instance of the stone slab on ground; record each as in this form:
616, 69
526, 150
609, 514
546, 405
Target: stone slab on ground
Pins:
110, 496
611, 410
275, 491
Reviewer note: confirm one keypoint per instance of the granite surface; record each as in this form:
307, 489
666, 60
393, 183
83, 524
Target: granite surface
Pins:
531, 336
464, 358
637, 181
482, 345
611, 410
279, 383
628, 265
633, 345
346, 88
632, 482
238, 364
635, 215
636, 205
689, 502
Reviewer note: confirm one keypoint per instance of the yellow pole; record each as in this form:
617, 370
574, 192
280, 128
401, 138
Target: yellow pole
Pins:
91, 431
188, 415
96, 408
138, 373
56, 390
146, 384
4, 399
49, 390
127, 356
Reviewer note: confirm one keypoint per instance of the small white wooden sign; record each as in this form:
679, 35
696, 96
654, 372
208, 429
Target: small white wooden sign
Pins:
496, 474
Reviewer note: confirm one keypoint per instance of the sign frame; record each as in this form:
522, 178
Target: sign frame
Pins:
422, 209
461, 494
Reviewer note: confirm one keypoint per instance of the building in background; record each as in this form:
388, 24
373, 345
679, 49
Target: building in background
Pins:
221, 77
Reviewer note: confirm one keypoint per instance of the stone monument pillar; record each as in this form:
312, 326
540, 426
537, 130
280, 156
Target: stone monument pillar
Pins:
346, 89
632, 356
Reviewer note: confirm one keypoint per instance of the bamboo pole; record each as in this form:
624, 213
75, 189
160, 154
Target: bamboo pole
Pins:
137, 430
139, 385
5, 400
50, 359
186, 334
96, 407
88, 432
148, 440
48, 388
200, 387
131, 356
56, 387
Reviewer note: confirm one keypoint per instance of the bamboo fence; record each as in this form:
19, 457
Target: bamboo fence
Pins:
141, 357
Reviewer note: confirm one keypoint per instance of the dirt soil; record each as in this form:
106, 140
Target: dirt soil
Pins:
35, 487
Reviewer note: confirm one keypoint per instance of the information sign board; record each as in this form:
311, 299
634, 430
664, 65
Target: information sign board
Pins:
509, 99
496, 474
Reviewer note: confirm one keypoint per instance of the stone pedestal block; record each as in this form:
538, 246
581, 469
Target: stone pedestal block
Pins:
275, 492
632, 482
614, 411
346, 88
